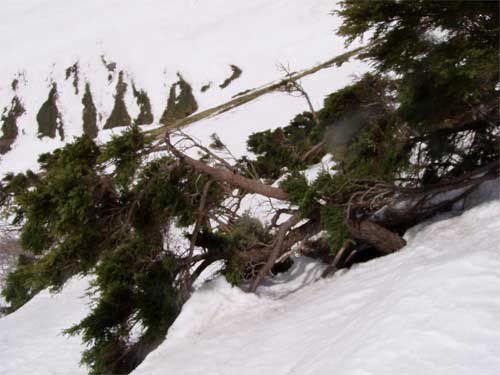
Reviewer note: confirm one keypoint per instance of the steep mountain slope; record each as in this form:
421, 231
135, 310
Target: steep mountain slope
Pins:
120, 62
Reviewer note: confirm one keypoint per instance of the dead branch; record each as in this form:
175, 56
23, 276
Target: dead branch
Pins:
277, 215
201, 216
184, 136
332, 268
292, 85
313, 151
278, 246
228, 176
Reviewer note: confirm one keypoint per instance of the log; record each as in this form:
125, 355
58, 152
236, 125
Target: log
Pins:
385, 241
376, 235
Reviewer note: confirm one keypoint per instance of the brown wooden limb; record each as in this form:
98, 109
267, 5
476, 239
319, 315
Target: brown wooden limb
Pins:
350, 257
203, 266
199, 220
227, 176
278, 214
277, 248
293, 85
382, 239
300, 89
313, 151
332, 268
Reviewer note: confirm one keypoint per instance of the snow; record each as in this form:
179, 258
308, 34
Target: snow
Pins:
428, 309
31, 339
152, 41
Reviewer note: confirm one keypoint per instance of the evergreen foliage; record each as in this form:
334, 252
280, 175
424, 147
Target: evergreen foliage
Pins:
123, 152
446, 58
79, 218
282, 148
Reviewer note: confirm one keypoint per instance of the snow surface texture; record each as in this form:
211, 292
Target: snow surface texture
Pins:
31, 340
151, 41
431, 308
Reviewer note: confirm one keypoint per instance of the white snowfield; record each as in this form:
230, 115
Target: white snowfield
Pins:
431, 308
31, 339
151, 41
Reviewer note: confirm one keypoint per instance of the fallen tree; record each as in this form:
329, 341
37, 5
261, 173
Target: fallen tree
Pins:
78, 215
148, 217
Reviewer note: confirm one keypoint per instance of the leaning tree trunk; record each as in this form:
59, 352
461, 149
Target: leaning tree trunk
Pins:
229, 177
403, 208
382, 239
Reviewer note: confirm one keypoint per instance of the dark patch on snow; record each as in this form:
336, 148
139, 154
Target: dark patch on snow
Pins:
73, 71
89, 114
179, 106
236, 73
49, 118
145, 116
9, 125
119, 115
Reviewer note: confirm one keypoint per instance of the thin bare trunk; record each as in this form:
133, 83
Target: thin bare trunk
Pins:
278, 246
199, 221
227, 176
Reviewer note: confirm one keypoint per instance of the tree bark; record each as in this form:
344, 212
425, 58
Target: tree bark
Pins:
224, 175
278, 247
376, 235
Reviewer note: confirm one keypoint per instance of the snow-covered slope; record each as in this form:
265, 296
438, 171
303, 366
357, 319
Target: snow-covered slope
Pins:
31, 340
432, 308
151, 41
